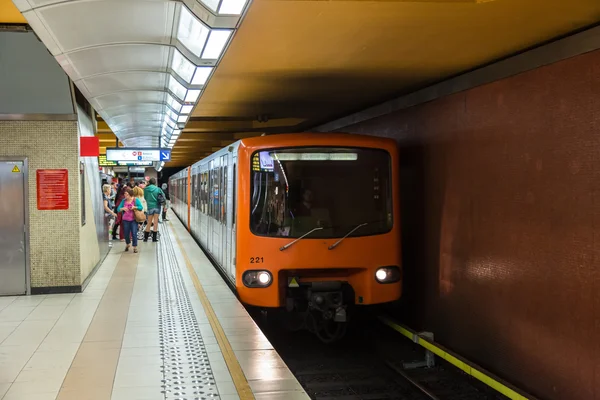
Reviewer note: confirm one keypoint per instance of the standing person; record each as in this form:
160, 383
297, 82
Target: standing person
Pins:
154, 197
130, 225
165, 189
138, 193
109, 206
119, 198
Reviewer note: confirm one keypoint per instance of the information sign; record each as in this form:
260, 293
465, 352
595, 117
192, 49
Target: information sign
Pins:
103, 162
165, 155
131, 154
135, 163
52, 189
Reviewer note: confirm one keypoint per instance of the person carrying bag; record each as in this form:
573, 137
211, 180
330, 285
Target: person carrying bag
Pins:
131, 209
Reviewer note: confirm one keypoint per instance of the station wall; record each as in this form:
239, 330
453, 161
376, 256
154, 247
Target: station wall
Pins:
39, 121
54, 235
501, 224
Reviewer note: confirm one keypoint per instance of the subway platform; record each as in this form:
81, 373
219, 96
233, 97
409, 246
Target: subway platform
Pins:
160, 324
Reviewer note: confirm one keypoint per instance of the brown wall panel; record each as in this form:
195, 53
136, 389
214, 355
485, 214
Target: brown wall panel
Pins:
501, 231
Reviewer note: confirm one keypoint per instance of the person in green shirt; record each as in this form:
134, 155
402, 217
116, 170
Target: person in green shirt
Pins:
155, 198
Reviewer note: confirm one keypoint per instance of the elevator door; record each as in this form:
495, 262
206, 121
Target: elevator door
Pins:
13, 278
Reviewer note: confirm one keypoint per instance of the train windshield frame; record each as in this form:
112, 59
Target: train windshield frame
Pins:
342, 190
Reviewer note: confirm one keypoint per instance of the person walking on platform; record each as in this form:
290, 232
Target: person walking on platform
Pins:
155, 198
118, 200
165, 189
130, 225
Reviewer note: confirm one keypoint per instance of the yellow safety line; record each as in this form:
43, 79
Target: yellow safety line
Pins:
475, 373
239, 379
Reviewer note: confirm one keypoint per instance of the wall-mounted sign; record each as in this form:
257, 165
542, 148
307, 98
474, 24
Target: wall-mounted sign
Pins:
165, 155
131, 154
89, 146
103, 162
52, 189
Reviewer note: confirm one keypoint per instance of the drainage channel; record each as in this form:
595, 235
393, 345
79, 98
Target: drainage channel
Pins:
186, 367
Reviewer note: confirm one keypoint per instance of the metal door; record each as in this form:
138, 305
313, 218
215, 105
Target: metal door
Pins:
13, 264
234, 192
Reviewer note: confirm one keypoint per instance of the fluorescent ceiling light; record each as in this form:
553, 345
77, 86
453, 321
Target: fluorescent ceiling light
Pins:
182, 118
192, 96
216, 43
174, 104
186, 109
201, 75
182, 66
176, 132
212, 4
172, 113
234, 7
191, 32
176, 88
170, 123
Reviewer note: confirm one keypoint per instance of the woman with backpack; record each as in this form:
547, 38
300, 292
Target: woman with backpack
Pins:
155, 198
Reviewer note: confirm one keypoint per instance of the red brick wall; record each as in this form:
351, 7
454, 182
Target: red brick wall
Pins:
501, 208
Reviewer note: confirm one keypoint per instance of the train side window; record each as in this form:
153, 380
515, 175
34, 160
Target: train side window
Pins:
202, 192
209, 192
218, 194
224, 207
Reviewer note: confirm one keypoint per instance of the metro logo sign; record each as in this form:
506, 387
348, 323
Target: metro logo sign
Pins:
128, 154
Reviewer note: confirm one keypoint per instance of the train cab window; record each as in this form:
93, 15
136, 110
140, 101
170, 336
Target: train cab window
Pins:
337, 189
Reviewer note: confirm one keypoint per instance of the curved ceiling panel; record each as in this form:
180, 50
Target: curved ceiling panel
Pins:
105, 22
142, 64
117, 58
133, 109
99, 85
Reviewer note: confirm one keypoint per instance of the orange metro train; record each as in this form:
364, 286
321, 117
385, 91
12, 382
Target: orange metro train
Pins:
307, 222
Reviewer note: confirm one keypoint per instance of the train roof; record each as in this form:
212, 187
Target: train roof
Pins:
301, 139
317, 138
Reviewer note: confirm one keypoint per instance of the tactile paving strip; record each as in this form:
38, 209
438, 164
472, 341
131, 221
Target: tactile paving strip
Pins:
186, 368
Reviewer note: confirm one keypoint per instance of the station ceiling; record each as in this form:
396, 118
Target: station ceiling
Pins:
294, 64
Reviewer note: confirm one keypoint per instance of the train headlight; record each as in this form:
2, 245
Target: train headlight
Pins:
387, 274
257, 279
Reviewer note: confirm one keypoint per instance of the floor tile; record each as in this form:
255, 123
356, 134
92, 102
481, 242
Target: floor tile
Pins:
15, 313
138, 393
46, 313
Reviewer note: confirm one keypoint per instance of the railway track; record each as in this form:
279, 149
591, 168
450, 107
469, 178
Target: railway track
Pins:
368, 365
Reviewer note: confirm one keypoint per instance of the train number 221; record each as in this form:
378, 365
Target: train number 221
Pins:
257, 260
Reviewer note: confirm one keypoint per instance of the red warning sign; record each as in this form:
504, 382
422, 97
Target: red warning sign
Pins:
52, 189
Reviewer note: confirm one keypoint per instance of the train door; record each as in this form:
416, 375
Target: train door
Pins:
211, 202
233, 217
13, 261
203, 206
196, 202
223, 212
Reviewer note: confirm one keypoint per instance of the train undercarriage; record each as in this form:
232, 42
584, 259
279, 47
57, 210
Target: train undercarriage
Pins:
322, 308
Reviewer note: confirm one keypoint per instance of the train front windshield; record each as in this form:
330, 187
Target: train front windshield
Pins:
339, 190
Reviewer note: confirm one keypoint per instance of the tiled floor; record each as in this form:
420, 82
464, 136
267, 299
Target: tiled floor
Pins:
105, 343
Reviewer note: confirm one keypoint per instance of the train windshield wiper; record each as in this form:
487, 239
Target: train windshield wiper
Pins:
282, 248
333, 246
